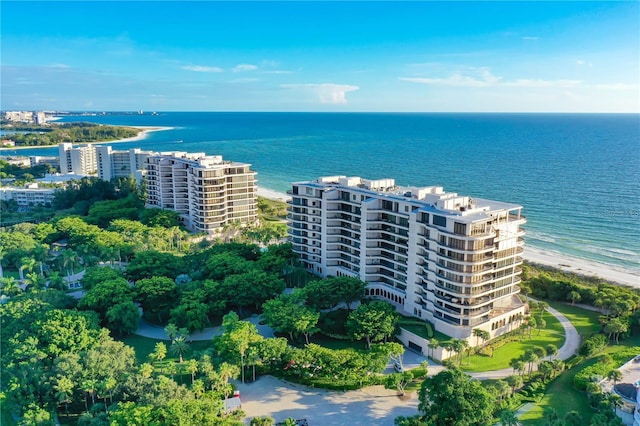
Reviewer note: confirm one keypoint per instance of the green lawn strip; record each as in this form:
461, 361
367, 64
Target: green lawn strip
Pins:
563, 397
585, 321
552, 334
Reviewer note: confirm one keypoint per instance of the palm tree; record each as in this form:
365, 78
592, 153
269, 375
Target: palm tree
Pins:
192, 366
26, 263
35, 281
10, 286
179, 347
41, 254
159, 354
69, 261
171, 330
197, 387
551, 350
614, 376
433, 345
227, 371
64, 390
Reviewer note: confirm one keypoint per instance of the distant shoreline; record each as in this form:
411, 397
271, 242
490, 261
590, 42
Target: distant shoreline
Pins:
142, 134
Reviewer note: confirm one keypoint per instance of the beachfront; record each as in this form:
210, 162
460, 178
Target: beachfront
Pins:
539, 256
142, 134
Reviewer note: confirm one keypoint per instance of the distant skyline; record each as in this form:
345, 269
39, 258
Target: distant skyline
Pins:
321, 56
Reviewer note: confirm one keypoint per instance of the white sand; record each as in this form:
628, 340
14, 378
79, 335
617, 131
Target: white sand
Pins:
273, 195
582, 267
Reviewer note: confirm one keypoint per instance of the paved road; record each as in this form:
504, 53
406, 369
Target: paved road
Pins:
153, 331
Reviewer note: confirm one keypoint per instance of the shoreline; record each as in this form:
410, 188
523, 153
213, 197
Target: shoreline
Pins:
538, 256
142, 134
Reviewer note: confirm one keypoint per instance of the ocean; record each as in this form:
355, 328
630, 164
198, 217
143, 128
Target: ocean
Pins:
576, 175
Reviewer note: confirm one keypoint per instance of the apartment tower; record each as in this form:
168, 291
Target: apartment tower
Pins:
449, 259
208, 192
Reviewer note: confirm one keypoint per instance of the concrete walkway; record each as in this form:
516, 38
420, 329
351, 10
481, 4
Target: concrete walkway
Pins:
569, 348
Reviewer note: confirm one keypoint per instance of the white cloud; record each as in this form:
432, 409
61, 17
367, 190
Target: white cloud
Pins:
278, 72
200, 68
59, 66
584, 63
479, 77
530, 38
616, 86
244, 67
482, 77
327, 93
542, 83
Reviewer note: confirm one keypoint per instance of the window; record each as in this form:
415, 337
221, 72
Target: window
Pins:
440, 221
460, 228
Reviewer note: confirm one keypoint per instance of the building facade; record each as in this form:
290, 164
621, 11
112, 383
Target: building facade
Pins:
206, 191
120, 164
27, 196
80, 160
451, 260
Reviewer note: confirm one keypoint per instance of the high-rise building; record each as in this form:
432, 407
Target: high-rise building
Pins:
208, 192
449, 259
80, 160
115, 164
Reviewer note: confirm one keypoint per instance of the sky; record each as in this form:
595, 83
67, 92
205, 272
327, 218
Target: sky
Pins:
337, 56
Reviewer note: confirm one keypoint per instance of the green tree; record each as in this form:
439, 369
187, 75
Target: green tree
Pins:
452, 398
574, 297
375, 321
237, 338
123, 318
156, 295
508, 418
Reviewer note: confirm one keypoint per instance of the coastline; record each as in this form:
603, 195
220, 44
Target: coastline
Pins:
142, 134
538, 256
579, 266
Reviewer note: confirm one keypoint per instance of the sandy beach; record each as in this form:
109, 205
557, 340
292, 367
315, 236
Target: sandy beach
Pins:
273, 195
581, 266
144, 132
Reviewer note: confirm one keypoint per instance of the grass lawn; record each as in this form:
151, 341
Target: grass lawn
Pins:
553, 334
584, 320
563, 397
145, 345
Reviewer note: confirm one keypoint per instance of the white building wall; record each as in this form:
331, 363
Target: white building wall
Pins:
448, 259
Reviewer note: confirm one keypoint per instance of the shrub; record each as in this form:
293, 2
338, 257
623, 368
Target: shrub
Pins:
593, 345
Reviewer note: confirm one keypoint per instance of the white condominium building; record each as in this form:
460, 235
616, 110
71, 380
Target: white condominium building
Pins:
449, 259
117, 164
208, 192
80, 160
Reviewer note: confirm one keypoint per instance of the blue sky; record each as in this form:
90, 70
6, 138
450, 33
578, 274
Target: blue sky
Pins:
321, 56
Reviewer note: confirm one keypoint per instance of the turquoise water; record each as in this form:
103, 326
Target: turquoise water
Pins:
577, 175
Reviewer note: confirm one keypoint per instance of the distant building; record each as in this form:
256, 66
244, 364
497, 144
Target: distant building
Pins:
34, 160
30, 195
37, 117
18, 160
449, 259
116, 164
206, 191
80, 160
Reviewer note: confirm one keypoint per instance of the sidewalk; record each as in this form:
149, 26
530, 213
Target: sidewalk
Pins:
154, 331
